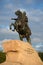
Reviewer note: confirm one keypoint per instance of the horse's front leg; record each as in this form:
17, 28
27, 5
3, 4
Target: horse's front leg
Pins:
11, 27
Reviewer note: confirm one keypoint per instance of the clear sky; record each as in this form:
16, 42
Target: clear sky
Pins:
34, 10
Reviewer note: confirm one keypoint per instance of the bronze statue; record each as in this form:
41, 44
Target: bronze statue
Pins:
21, 25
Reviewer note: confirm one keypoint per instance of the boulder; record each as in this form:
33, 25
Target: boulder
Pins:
20, 53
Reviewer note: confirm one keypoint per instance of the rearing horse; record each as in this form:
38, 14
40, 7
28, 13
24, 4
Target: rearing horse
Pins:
22, 29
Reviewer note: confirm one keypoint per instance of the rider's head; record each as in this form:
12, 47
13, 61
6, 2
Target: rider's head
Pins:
24, 13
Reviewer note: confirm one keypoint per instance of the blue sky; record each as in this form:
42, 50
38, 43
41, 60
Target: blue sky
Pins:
34, 10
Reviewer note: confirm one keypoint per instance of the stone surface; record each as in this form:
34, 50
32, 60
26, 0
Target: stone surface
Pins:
20, 53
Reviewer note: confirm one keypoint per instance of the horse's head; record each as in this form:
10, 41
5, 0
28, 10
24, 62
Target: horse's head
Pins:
18, 13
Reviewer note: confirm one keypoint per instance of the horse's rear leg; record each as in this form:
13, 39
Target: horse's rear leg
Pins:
28, 39
21, 38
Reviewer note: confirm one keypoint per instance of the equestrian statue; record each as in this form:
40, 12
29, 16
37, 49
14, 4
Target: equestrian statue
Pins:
21, 26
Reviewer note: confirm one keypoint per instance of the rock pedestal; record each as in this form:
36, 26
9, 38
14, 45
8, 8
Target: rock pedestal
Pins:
20, 53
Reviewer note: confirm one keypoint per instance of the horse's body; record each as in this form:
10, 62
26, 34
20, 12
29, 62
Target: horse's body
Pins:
23, 30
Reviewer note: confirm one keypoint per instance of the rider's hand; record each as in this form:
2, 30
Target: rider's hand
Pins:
13, 30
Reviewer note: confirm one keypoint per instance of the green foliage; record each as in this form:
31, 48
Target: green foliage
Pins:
41, 55
2, 57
